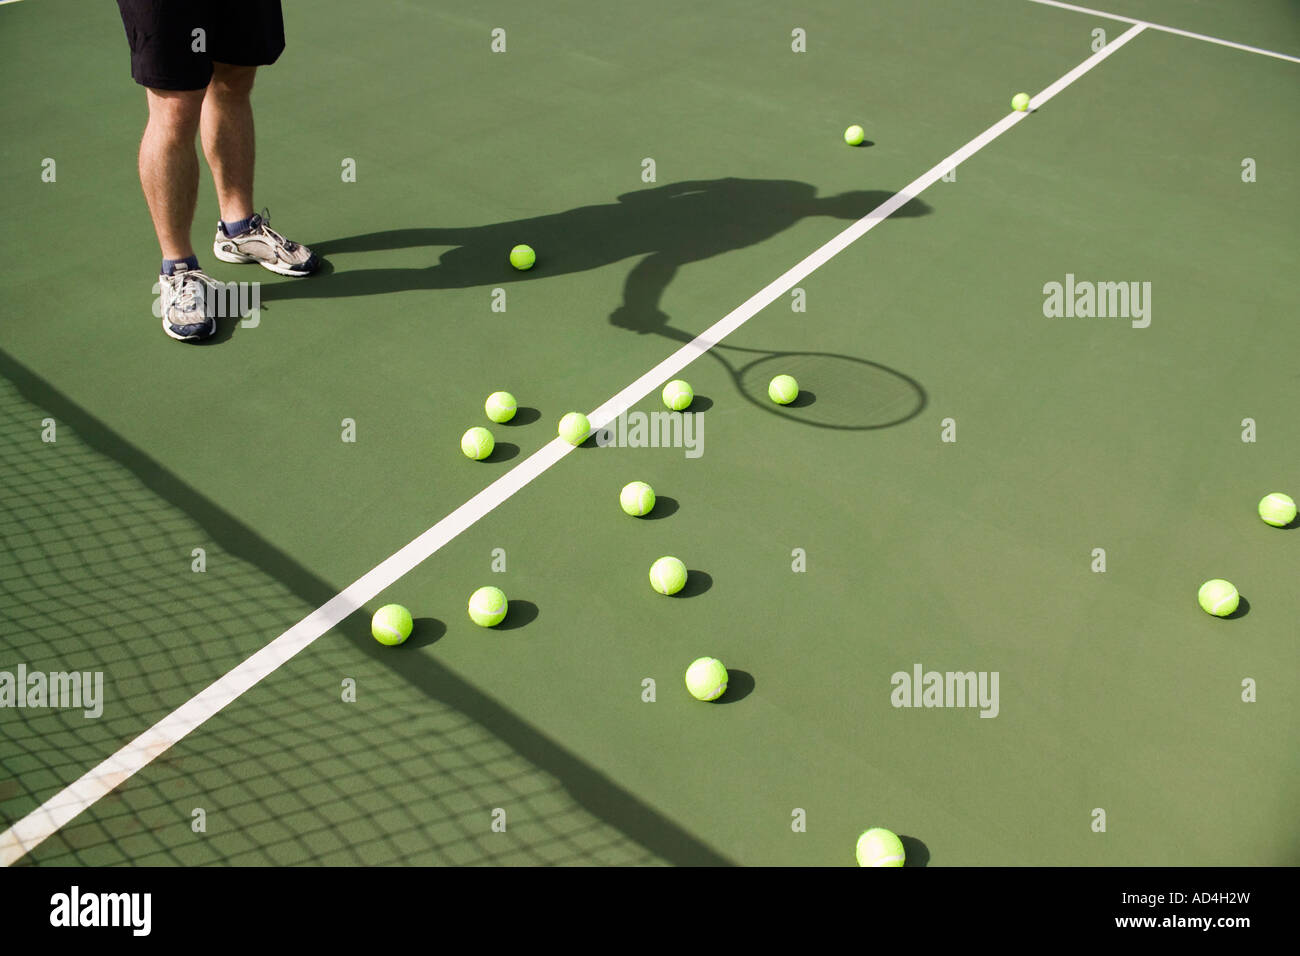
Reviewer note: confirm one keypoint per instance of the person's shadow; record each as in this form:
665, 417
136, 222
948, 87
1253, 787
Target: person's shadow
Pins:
663, 227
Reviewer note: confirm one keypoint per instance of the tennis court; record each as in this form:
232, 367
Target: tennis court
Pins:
968, 485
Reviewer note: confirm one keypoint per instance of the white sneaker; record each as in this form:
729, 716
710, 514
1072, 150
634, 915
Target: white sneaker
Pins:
261, 244
187, 304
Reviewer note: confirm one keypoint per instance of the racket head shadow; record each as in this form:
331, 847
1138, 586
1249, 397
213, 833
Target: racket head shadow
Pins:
835, 391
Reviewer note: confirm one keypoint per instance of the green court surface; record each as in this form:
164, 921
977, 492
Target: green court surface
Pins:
831, 545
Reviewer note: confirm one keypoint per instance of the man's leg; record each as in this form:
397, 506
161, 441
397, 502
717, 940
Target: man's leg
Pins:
169, 167
251, 33
169, 175
227, 130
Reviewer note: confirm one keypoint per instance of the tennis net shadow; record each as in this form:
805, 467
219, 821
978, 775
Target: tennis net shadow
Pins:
95, 576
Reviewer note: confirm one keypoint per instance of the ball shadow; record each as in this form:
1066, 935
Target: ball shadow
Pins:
915, 852
524, 415
803, 399
504, 451
701, 403
426, 631
1243, 608
740, 684
665, 507
518, 614
697, 582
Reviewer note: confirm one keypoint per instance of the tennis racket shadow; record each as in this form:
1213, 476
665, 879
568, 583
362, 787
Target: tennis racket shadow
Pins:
836, 391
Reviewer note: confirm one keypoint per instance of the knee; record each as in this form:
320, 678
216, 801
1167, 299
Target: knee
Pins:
175, 112
229, 80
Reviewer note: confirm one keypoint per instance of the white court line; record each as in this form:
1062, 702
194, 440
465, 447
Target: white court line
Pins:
1163, 29
65, 805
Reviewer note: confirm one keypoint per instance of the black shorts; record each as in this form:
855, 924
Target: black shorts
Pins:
163, 39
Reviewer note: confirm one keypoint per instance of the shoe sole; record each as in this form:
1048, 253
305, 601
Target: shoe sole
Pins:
187, 338
278, 269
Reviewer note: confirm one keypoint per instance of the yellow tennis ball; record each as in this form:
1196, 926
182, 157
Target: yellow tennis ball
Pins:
391, 625
1020, 102
477, 443
678, 395
706, 678
522, 257
854, 135
574, 428
880, 847
500, 407
668, 575
1277, 509
783, 389
637, 498
488, 606
1218, 597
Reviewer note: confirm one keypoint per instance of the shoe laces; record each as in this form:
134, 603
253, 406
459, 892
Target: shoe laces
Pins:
188, 288
264, 224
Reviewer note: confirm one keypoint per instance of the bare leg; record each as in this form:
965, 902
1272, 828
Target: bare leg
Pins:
227, 130
169, 167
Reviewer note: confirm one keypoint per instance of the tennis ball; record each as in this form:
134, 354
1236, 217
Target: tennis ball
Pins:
706, 678
477, 443
574, 428
1277, 509
678, 395
500, 406
522, 257
488, 606
880, 847
668, 575
1020, 102
854, 135
1218, 597
637, 498
391, 624
783, 390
